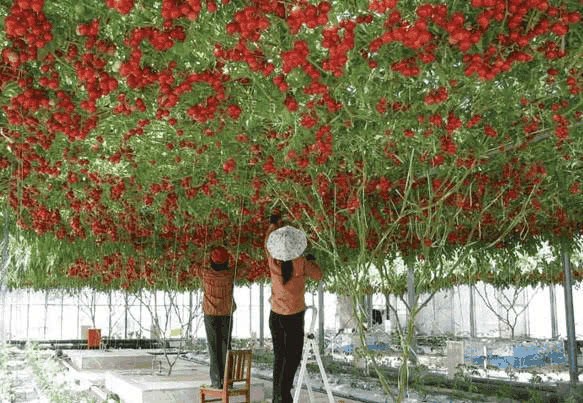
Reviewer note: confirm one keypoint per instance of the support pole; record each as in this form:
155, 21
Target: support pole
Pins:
62, 308
570, 317
109, 324
125, 319
553, 306
368, 305
412, 302
10, 321
388, 329
452, 319
78, 333
321, 316
140, 329
472, 312
27, 314
261, 316
3, 273
46, 314
2, 316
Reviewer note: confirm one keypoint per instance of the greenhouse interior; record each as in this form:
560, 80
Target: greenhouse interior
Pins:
291, 200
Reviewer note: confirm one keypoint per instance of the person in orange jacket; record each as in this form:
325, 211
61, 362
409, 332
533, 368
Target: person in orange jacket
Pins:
289, 269
218, 306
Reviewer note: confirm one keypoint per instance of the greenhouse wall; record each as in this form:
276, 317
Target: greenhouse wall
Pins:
54, 315
449, 313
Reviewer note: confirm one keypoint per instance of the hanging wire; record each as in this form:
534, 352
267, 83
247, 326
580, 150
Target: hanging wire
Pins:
206, 261
5, 256
235, 267
4, 269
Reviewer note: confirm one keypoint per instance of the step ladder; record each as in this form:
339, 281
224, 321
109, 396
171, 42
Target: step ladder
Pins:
311, 351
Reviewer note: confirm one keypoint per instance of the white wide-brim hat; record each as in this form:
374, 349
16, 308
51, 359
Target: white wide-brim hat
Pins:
287, 243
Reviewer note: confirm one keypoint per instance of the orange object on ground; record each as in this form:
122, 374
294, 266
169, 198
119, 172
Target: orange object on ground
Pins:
93, 338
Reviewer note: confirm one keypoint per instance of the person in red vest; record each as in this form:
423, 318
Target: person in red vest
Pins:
289, 269
218, 306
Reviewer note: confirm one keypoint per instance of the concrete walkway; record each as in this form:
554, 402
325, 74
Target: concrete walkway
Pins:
153, 385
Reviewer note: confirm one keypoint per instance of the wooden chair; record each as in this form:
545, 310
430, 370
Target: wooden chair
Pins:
237, 379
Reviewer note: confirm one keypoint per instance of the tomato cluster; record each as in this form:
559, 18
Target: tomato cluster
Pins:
162, 130
28, 29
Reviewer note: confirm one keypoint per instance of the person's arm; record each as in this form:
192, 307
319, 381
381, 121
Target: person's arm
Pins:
312, 269
242, 270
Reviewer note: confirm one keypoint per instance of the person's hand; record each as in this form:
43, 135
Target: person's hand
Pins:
275, 216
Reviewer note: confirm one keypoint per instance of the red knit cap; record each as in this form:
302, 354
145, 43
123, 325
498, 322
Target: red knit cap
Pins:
219, 255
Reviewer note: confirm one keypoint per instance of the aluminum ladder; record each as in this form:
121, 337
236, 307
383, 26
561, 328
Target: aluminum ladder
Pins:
311, 351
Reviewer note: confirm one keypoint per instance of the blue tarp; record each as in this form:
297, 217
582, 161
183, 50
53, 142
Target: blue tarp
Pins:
523, 356
347, 348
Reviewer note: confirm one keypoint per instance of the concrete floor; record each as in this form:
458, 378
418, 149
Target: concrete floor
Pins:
194, 371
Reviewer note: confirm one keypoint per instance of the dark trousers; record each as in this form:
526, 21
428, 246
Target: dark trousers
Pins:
287, 333
218, 336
